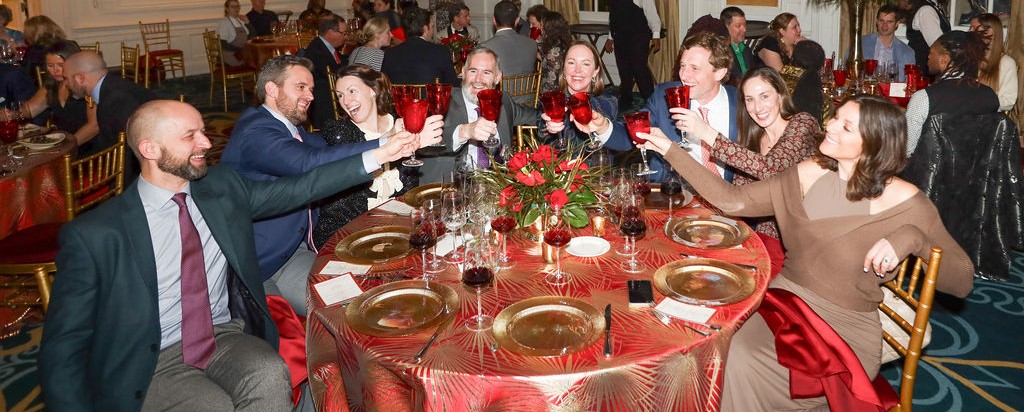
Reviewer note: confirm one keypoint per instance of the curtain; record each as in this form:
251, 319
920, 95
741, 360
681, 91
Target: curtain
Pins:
570, 9
663, 62
1015, 48
867, 23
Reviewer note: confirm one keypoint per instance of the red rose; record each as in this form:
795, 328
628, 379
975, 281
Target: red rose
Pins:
557, 198
532, 179
516, 206
507, 194
518, 161
543, 155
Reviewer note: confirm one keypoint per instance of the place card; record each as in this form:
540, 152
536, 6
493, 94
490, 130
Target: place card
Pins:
336, 290
897, 90
447, 243
337, 267
685, 311
396, 207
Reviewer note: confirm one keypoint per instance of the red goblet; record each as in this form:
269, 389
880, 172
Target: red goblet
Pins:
579, 105
640, 122
490, 109
554, 105
869, 66
678, 97
840, 76
414, 114
438, 96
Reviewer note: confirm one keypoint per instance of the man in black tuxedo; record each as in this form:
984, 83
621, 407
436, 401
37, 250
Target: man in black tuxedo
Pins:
262, 20
115, 98
418, 61
325, 53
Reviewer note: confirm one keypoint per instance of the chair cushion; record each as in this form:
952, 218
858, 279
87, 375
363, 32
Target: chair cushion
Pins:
34, 244
161, 53
888, 325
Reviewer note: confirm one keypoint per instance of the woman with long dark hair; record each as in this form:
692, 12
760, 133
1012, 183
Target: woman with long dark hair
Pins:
776, 49
555, 41
75, 116
847, 221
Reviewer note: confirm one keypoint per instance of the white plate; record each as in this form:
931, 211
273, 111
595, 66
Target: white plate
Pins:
588, 246
27, 128
43, 142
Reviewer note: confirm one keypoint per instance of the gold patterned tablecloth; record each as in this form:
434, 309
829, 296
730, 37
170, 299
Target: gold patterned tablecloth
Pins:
654, 366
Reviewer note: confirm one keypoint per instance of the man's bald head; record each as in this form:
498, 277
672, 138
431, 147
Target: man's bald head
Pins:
149, 120
85, 62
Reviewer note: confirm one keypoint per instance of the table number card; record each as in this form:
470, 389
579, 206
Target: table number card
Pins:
897, 90
684, 311
337, 267
336, 290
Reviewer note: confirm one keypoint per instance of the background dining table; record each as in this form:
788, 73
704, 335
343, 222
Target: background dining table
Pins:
257, 51
654, 366
34, 194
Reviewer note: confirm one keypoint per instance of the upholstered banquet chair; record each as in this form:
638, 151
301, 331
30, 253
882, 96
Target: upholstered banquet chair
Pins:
523, 89
27, 256
156, 37
221, 73
905, 313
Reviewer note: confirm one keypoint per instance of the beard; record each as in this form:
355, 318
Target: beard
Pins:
469, 91
290, 110
181, 167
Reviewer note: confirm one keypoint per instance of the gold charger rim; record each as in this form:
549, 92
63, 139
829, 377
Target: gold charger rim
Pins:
502, 322
743, 232
747, 283
358, 323
414, 196
343, 250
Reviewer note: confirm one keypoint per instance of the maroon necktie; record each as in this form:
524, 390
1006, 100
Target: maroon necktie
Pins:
197, 343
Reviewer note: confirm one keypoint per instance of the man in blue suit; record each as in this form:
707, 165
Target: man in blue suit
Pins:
129, 328
704, 61
267, 144
882, 45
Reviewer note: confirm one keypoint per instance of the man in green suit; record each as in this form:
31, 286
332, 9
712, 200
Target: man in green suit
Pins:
122, 333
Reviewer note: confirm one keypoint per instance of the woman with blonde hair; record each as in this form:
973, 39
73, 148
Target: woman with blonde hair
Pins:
997, 70
776, 50
374, 37
41, 33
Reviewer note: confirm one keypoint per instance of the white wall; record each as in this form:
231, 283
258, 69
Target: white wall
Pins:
112, 21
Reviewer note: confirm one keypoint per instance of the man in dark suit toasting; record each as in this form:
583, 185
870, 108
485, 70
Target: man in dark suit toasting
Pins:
158, 302
464, 129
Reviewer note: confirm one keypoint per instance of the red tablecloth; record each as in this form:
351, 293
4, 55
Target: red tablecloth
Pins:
654, 367
34, 194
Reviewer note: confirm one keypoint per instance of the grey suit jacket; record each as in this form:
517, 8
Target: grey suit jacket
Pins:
517, 54
102, 336
438, 162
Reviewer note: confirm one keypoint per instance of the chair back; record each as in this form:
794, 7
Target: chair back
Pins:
93, 48
130, 62
421, 89
524, 133
91, 180
331, 80
914, 285
523, 89
304, 38
211, 42
26, 285
156, 36
40, 71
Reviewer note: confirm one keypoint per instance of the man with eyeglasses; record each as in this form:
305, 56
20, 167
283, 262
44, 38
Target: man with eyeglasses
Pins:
325, 53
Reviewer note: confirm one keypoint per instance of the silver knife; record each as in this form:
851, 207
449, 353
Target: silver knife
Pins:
608, 330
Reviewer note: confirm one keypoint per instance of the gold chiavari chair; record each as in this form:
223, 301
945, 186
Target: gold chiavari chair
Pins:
93, 48
156, 37
914, 286
331, 80
523, 89
420, 89
40, 71
130, 62
219, 73
27, 256
524, 133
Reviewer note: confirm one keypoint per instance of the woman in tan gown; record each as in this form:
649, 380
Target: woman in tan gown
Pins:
845, 217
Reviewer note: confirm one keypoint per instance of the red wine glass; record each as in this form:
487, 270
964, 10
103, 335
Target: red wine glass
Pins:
477, 275
679, 97
633, 226
421, 237
579, 105
557, 235
504, 224
869, 67
640, 122
671, 186
840, 76
414, 114
490, 109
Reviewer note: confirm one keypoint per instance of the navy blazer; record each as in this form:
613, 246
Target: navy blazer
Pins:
322, 110
417, 61
260, 148
660, 118
902, 54
102, 336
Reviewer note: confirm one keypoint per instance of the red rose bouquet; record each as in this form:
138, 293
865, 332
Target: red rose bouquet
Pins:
460, 46
537, 176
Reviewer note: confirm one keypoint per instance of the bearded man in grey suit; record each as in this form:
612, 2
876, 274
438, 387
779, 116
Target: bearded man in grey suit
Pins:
464, 129
517, 54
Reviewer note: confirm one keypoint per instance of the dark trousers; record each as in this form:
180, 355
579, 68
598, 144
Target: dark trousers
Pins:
631, 58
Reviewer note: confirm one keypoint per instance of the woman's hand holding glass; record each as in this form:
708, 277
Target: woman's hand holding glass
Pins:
694, 128
433, 127
400, 144
656, 141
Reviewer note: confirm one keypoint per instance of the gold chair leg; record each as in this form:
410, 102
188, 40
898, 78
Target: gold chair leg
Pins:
43, 282
213, 79
224, 90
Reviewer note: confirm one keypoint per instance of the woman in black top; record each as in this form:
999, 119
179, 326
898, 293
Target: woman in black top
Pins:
69, 114
776, 49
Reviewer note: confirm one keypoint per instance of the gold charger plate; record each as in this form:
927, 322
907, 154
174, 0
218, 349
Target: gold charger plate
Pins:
548, 326
707, 282
714, 232
656, 200
402, 308
374, 245
416, 196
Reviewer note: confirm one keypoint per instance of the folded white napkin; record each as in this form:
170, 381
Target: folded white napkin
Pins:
337, 267
337, 289
684, 311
